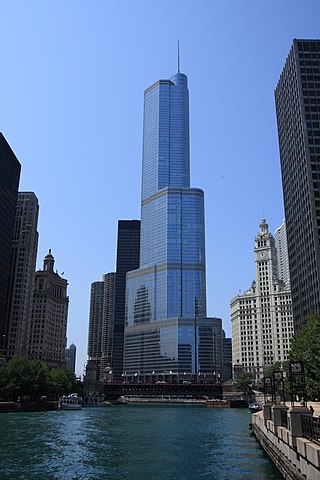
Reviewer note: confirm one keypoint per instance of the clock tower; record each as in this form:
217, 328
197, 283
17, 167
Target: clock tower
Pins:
265, 257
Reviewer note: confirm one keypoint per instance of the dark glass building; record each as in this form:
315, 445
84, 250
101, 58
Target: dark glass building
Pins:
9, 184
297, 97
128, 251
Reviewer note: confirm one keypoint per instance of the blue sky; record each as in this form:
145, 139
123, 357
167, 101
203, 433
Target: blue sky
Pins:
72, 79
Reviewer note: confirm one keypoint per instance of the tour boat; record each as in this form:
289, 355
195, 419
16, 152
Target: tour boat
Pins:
254, 407
70, 402
95, 401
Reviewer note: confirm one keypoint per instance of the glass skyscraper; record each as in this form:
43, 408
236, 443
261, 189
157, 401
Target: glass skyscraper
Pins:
166, 296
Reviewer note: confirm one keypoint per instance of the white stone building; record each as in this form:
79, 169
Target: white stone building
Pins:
261, 317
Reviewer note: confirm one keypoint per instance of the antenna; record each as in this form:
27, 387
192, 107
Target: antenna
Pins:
178, 56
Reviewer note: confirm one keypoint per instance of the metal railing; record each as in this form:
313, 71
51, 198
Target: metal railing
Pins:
311, 428
284, 418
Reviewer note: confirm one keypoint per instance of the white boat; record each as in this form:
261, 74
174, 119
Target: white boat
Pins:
254, 407
70, 402
95, 401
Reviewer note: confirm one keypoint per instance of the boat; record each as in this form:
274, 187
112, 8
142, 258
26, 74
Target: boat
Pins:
254, 407
70, 402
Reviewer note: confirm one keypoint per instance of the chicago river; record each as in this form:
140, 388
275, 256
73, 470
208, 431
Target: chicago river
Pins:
132, 442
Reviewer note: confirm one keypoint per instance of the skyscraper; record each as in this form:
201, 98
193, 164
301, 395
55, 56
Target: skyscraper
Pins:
95, 328
9, 183
70, 356
280, 238
166, 296
261, 317
128, 250
48, 324
23, 263
297, 97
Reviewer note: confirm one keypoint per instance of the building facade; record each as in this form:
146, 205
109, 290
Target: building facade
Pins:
297, 98
166, 326
107, 331
261, 317
280, 238
128, 258
70, 356
49, 315
23, 264
9, 183
95, 328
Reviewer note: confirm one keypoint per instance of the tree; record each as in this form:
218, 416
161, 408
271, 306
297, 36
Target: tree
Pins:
62, 381
22, 377
306, 348
243, 382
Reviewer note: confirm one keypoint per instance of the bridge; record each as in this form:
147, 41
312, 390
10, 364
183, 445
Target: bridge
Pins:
181, 390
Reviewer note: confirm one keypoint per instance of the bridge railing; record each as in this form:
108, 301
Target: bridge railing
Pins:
311, 428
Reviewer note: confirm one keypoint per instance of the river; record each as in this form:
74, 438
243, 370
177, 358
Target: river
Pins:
133, 442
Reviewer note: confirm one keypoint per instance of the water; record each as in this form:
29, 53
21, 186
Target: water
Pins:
134, 442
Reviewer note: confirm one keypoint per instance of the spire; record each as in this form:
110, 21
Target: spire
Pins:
178, 57
48, 262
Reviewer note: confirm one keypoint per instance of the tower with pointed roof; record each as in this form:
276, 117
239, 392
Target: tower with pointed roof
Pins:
261, 317
48, 325
166, 296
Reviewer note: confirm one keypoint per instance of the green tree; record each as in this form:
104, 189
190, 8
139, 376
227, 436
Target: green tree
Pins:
21, 377
243, 382
62, 382
306, 348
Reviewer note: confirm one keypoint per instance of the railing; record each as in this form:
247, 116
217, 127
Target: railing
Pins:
284, 418
311, 428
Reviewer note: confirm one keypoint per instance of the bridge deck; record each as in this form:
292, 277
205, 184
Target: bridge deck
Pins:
192, 390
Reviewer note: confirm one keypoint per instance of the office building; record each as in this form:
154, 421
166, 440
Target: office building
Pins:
107, 328
166, 326
297, 98
70, 356
261, 317
95, 328
9, 183
23, 264
227, 358
128, 253
280, 238
48, 323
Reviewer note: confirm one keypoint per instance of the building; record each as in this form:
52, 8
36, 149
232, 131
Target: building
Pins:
261, 317
280, 238
166, 326
107, 330
70, 356
227, 358
9, 183
23, 265
128, 253
48, 323
297, 98
95, 329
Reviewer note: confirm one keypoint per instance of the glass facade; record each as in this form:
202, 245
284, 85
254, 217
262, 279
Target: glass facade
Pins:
166, 296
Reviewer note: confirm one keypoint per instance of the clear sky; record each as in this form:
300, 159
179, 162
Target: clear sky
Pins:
72, 79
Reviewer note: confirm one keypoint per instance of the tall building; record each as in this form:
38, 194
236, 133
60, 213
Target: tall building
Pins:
128, 252
95, 328
107, 330
48, 324
297, 97
23, 264
70, 356
166, 296
280, 238
261, 317
227, 358
9, 183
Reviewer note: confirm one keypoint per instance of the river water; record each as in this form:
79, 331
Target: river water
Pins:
133, 442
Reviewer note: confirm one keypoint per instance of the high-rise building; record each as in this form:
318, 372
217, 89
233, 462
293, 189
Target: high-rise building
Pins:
95, 327
70, 356
107, 327
297, 97
128, 252
166, 296
280, 238
23, 264
48, 323
9, 183
262, 325
227, 358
